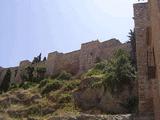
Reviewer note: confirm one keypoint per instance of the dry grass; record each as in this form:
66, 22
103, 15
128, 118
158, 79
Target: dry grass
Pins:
30, 101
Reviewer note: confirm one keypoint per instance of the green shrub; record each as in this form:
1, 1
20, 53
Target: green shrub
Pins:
71, 85
101, 65
13, 86
43, 83
93, 72
65, 98
26, 85
64, 76
97, 84
53, 86
97, 71
41, 69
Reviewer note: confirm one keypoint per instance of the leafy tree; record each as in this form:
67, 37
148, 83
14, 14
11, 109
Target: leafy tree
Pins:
119, 72
6, 81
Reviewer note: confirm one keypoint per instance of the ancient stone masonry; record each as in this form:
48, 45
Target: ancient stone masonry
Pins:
75, 62
79, 61
57, 62
141, 25
88, 55
147, 28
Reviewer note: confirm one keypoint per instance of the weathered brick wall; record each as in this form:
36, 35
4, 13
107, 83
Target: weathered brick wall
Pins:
142, 22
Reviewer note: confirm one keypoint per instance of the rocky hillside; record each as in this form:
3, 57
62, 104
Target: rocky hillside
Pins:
107, 89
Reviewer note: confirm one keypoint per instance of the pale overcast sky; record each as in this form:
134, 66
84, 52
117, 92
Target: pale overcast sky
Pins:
28, 27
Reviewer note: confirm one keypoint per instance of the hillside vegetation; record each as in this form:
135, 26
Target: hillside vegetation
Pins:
107, 88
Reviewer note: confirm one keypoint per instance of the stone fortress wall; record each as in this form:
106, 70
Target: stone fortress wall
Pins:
75, 62
79, 61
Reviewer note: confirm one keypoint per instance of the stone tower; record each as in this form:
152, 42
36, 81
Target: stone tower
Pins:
147, 28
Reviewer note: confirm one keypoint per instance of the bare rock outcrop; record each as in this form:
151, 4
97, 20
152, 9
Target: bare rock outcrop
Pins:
87, 98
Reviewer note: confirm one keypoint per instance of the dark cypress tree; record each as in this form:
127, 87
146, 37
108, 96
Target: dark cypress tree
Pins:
6, 81
37, 59
44, 59
132, 39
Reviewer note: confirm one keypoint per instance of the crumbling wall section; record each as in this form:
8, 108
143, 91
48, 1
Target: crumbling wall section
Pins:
23, 64
14, 71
